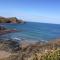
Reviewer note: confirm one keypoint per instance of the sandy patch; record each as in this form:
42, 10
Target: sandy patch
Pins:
4, 54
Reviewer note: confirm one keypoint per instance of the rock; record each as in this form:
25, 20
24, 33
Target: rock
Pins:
4, 30
9, 45
2, 27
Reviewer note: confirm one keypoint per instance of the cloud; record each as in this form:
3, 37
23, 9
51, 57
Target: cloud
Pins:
43, 19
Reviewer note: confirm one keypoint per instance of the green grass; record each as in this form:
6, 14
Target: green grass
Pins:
55, 55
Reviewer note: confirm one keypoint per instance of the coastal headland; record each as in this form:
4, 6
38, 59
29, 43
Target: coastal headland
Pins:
13, 20
10, 20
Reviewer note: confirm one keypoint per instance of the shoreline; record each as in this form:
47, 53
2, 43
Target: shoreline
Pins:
24, 49
23, 42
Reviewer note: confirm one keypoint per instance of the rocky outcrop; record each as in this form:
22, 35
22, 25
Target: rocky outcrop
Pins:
9, 45
4, 30
10, 20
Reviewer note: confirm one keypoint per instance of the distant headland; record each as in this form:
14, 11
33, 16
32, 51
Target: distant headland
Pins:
10, 20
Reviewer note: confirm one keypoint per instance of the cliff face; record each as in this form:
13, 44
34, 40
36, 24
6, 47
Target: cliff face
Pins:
10, 20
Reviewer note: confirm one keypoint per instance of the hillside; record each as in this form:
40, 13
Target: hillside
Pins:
37, 51
10, 20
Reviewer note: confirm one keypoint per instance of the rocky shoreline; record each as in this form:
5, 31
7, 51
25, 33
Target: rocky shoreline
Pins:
4, 30
14, 20
25, 51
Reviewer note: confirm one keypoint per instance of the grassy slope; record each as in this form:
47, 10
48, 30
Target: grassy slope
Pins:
38, 51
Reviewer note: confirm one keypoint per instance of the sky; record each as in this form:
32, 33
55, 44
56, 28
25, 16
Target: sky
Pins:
46, 11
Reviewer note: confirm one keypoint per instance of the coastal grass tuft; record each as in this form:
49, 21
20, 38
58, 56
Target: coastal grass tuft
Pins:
55, 55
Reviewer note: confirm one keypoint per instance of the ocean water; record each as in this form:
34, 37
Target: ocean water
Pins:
33, 31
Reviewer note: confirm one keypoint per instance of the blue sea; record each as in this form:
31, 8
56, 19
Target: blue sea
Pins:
33, 31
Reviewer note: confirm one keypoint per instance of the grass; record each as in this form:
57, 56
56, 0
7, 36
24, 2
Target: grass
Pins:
32, 52
55, 55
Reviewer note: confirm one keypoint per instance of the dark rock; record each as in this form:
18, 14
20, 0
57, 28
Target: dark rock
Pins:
2, 28
9, 45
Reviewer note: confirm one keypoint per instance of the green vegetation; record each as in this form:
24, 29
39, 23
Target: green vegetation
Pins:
55, 55
31, 52
45, 56
10, 20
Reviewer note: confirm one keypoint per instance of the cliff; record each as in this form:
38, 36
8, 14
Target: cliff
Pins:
10, 20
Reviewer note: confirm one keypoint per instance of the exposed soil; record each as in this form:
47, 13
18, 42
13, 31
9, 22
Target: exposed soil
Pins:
4, 54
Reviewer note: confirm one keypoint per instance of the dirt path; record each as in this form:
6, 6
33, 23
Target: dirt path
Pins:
4, 54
